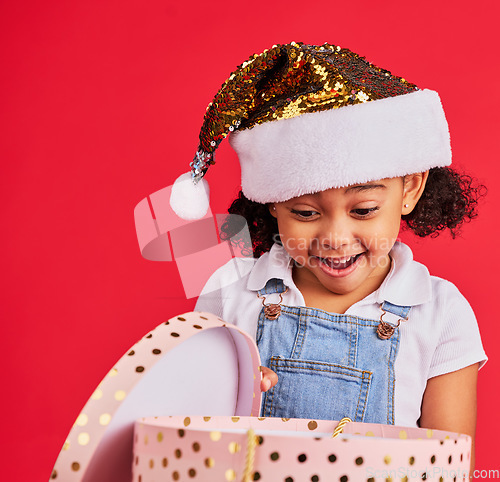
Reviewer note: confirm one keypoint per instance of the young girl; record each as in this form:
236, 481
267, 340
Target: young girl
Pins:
334, 153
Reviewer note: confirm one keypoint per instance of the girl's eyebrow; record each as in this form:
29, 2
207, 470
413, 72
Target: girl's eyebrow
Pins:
364, 187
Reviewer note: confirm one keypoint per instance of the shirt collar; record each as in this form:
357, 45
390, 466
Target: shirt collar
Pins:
407, 284
276, 263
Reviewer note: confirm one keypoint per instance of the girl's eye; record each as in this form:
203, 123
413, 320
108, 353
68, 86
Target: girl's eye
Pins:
364, 212
304, 214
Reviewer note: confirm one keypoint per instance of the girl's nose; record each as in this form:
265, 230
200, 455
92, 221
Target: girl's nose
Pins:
335, 235
333, 243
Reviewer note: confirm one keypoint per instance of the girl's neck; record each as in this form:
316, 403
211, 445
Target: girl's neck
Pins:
317, 296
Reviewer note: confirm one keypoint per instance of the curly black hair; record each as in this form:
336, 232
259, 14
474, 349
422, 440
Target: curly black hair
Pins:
449, 200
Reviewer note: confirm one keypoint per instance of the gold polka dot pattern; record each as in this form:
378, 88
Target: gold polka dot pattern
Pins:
312, 456
120, 395
83, 438
230, 474
234, 447
82, 420
206, 448
104, 419
98, 416
97, 395
312, 425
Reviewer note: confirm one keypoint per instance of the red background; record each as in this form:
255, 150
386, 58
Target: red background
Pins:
101, 105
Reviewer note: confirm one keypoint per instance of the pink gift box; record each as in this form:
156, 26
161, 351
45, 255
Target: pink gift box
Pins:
194, 385
219, 448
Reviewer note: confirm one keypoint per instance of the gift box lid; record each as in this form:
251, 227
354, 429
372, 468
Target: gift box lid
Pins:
192, 364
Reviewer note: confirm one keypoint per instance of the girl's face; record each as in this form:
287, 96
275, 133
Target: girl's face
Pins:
341, 238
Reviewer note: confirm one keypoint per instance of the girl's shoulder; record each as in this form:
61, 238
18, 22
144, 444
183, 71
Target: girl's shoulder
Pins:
411, 283
233, 271
445, 290
227, 293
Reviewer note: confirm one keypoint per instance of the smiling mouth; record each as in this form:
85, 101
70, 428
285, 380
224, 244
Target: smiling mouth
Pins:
340, 263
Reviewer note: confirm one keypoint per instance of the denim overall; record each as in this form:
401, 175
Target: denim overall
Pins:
329, 365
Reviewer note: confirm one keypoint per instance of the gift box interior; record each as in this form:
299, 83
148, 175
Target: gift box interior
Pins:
194, 385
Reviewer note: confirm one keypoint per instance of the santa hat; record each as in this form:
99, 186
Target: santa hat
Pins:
313, 118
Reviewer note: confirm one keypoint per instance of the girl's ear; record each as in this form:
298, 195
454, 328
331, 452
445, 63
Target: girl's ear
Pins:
413, 187
272, 209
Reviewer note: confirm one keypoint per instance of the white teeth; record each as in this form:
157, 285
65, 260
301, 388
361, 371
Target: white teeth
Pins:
340, 260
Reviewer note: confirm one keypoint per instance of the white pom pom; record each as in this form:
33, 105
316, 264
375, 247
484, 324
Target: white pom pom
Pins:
188, 200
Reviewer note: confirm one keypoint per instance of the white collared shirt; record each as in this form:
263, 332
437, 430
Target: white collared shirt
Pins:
440, 336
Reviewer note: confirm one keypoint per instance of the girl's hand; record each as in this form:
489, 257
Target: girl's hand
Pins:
269, 379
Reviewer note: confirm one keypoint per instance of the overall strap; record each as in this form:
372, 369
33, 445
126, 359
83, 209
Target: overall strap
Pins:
391, 317
274, 285
397, 310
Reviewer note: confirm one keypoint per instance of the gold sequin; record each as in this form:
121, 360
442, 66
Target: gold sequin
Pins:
187, 421
159, 437
387, 459
83, 438
215, 436
209, 462
287, 81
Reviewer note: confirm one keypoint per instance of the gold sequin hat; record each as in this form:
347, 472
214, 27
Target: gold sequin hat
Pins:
314, 118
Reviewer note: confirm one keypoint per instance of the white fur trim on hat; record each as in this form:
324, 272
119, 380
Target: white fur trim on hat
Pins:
313, 152
189, 200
